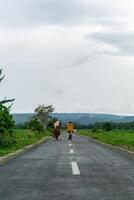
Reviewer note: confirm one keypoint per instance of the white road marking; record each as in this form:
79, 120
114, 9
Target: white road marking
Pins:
75, 169
70, 145
71, 151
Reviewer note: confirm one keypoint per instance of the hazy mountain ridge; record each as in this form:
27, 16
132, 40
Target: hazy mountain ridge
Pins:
82, 118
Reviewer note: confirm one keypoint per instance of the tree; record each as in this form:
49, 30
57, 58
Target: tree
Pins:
43, 114
6, 122
6, 127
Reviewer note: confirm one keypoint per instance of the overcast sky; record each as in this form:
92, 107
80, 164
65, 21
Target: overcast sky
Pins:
77, 55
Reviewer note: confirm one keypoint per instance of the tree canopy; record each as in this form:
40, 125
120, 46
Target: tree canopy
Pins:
43, 114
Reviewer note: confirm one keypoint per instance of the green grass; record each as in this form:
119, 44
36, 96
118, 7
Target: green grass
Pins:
122, 138
24, 138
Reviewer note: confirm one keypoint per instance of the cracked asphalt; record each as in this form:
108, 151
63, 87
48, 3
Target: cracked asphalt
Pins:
45, 173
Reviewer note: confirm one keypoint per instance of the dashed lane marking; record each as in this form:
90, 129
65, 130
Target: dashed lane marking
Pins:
71, 151
75, 169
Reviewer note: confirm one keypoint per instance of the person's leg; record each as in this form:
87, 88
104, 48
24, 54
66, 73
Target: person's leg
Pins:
56, 136
70, 136
53, 133
60, 137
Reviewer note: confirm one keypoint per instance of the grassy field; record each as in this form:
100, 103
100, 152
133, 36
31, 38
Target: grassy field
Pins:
122, 138
24, 138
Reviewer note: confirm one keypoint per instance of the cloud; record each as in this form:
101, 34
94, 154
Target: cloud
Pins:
124, 41
59, 91
82, 60
79, 61
63, 53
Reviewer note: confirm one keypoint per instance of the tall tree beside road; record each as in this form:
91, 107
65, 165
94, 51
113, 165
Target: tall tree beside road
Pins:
6, 121
43, 114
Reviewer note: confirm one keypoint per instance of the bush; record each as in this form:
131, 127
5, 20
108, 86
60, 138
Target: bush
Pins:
107, 126
94, 130
99, 131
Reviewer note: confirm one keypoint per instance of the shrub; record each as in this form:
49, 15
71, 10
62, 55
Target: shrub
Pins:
35, 125
107, 126
94, 130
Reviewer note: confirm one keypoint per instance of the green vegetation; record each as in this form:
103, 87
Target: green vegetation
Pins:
12, 139
107, 125
35, 125
6, 122
122, 138
6, 127
24, 138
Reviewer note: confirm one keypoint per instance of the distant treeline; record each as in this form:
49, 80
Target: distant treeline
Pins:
106, 125
98, 125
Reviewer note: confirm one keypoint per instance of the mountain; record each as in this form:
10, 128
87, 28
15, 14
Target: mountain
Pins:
20, 118
82, 118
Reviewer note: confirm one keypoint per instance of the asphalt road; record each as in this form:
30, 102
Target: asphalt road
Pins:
59, 171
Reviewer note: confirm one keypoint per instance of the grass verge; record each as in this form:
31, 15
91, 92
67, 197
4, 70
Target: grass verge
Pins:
24, 138
122, 138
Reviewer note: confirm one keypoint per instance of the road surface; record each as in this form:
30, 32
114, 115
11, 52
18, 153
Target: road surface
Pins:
55, 170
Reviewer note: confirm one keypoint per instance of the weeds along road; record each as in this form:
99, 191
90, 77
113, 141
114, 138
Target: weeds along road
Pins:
54, 170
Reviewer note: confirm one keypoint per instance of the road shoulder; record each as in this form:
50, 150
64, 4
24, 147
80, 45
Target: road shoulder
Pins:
113, 147
18, 152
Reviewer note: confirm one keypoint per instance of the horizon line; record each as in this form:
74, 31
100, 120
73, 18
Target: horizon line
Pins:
98, 113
